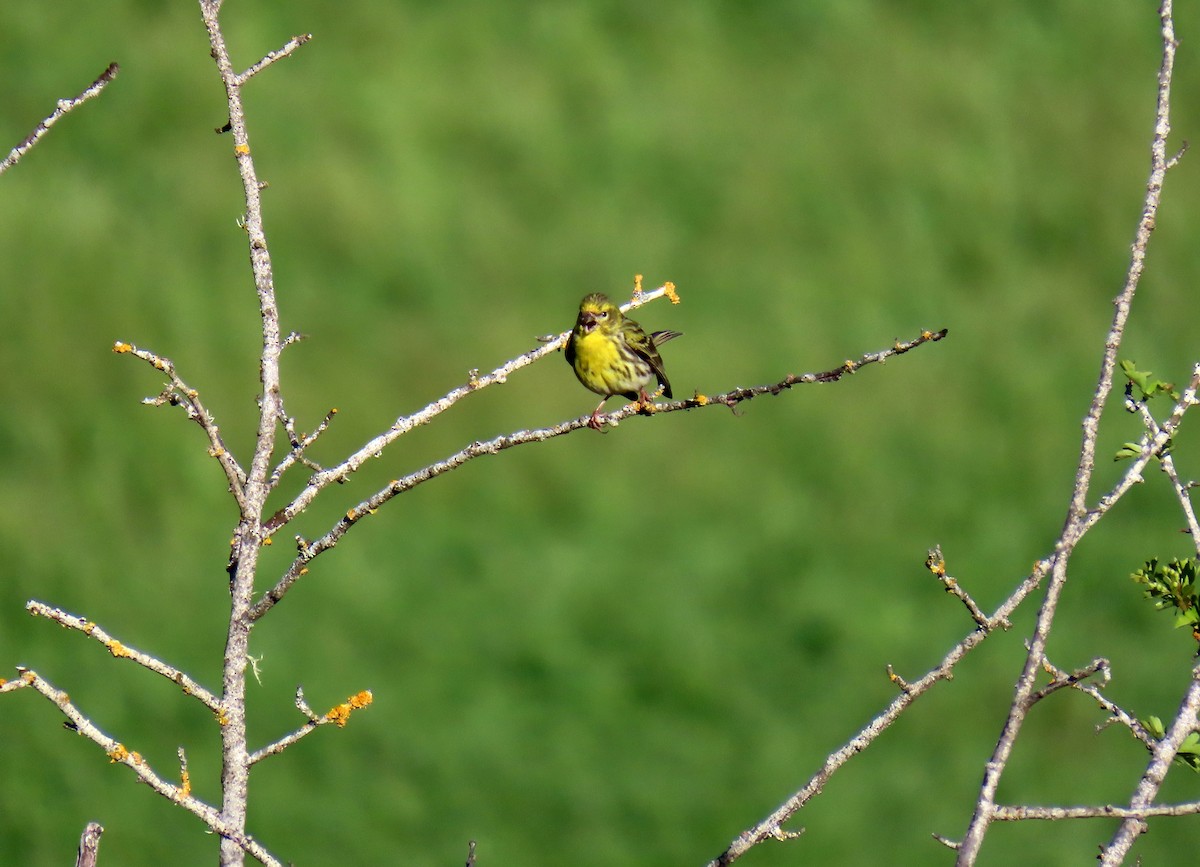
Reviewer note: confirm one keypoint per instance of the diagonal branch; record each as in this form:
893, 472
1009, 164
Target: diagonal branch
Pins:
1076, 680
181, 394
64, 106
1166, 460
124, 651
338, 715
119, 754
289, 47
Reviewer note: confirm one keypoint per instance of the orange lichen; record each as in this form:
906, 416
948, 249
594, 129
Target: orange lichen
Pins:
340, 714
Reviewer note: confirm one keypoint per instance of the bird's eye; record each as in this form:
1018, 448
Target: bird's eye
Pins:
603, 314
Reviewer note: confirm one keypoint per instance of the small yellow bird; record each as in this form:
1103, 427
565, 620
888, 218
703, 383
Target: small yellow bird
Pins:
611, 354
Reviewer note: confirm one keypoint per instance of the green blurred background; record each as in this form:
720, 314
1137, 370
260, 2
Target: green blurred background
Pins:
619, 649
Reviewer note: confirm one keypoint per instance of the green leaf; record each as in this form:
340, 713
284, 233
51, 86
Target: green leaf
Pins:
1128, 450
1147, 387
1172, 587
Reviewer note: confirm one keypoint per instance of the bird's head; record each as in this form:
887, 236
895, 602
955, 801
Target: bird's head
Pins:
596, 311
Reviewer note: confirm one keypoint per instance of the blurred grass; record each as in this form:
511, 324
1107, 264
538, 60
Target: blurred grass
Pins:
619, 649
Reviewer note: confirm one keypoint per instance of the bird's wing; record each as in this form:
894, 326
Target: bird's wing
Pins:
644, 346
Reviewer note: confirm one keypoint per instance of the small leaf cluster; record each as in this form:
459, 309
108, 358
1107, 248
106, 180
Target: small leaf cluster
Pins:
1172, 585
1144, 382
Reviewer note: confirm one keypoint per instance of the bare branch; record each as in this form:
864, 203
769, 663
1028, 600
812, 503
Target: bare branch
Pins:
1107, 811
1075, 680
339, 715
298, 446
291, 45
1062, 680
936, 564
89, 845
179, 393
119, 754
1183, 495
64, 106
123, 651
1166, 461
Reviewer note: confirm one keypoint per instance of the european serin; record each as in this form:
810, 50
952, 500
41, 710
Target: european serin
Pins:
611, 354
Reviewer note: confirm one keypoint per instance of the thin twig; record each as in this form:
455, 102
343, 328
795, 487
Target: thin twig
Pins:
179, 393
1166, 460
121, 650
936, 564
64, 106
299, 444
1075, 680
337, 716
1105, 811
289, 47
119, 754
